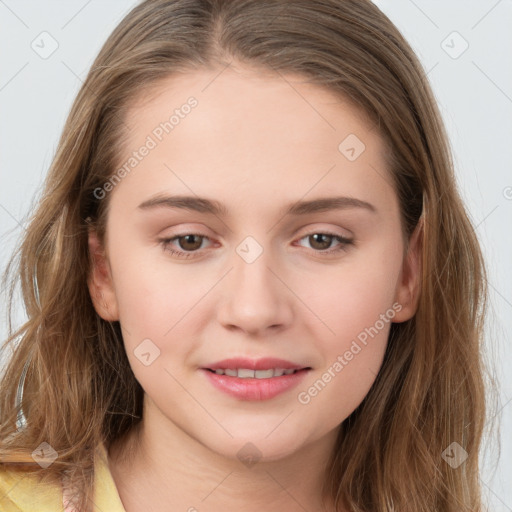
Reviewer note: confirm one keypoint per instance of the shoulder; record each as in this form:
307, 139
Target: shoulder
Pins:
22, 492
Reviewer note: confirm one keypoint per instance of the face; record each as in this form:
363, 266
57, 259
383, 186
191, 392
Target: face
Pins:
266, 259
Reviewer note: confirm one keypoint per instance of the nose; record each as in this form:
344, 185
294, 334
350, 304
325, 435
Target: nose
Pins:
256, 298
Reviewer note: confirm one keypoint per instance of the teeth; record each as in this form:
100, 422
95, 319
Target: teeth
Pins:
263, 374
245, 373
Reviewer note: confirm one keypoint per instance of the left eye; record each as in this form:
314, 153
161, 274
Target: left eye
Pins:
189, 246
325, 240
190, 243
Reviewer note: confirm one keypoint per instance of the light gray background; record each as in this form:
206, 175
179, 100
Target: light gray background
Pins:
474, 91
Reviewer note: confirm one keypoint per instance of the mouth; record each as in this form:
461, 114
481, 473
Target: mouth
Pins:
247, 373
245, 379
245, 367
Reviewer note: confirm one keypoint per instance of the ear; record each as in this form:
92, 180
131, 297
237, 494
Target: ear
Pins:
100, 283
409, 284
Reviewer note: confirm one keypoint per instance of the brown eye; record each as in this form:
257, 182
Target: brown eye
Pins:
191, 242
184, 246
322, 241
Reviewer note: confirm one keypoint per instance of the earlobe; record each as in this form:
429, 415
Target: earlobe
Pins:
409, 285
101, 286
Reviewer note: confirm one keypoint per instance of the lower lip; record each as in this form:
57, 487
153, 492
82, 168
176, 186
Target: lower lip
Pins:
255, 389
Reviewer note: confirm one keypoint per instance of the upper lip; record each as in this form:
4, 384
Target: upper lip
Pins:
264, 363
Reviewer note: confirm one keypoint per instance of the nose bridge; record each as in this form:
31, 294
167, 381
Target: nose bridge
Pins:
252, 279
255, 299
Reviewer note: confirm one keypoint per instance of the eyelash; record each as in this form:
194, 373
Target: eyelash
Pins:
184, 254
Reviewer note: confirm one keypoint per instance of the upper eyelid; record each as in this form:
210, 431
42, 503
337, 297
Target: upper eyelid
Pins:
307, 233
198, 231
303, 235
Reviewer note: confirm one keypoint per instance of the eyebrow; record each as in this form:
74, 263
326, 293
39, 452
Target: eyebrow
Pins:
203, 205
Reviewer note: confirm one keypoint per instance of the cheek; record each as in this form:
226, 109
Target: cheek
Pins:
151, 306
352, 351
155, 314
351, 297
333, 392
355, 304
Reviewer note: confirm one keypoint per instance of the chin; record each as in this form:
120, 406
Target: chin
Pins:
256, 447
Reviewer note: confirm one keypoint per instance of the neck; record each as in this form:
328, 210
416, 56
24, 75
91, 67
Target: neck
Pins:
159, 467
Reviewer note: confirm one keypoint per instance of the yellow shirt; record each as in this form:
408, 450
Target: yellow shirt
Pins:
22, 493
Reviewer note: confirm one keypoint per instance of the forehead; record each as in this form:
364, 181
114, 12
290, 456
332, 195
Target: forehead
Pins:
234, 93
223, 81
263, 129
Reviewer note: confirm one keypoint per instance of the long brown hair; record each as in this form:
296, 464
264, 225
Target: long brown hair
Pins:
79, 387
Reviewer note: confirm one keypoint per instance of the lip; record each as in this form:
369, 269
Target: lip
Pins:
253, 389
264, 363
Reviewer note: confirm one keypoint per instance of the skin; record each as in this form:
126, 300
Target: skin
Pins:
255, 142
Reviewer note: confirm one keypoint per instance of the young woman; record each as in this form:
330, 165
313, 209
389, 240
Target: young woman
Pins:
251, 282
